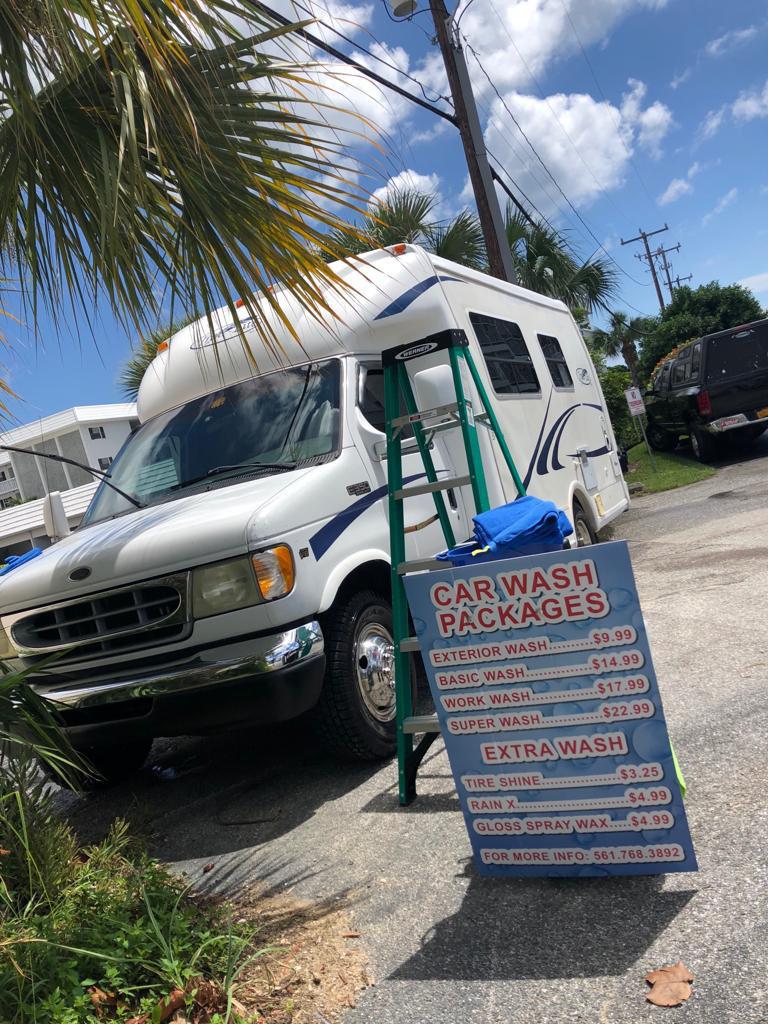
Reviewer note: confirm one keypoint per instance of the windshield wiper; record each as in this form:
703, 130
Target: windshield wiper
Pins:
232, 468
80, 465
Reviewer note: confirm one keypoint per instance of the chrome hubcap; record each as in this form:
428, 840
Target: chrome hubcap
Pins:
374, 665
583, 538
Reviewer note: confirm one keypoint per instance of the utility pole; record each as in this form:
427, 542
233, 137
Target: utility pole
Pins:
678, 279
648, 257
662, 254
489, 211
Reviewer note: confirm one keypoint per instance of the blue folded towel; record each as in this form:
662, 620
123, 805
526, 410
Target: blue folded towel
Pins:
527, 526
526, 520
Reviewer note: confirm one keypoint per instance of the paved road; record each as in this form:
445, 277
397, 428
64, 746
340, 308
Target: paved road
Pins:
444, 944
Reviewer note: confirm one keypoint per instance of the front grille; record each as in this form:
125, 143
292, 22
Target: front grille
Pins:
105, 622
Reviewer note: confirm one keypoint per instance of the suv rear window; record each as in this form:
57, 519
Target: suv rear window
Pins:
738, 354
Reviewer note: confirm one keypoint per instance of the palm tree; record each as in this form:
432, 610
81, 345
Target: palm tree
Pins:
406, 215
544, 263
149, 150
621, 339
149, 147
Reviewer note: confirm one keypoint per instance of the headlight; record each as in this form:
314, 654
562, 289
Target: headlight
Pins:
7, 650
275, 571
223, 587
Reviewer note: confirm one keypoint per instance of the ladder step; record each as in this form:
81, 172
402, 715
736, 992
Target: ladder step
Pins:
421, 723
409, 643
420, 564
430, 488
425, 414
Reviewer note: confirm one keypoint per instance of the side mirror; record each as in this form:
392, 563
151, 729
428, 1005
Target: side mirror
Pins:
54, 516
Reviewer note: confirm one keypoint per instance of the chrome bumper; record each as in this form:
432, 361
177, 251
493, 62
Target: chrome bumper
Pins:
208, 669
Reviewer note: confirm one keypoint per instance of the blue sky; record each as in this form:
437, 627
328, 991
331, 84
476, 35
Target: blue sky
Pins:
661, 117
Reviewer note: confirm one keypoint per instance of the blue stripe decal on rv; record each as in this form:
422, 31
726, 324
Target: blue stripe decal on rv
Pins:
404, 301
333, 529
540, 459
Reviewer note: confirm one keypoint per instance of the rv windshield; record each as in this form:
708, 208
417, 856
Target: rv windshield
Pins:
264, 425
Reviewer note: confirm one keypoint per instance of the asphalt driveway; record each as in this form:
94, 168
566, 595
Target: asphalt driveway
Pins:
448, 946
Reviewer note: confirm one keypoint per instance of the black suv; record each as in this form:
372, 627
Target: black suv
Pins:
714, 389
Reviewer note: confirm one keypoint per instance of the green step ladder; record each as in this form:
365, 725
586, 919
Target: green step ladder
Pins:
426, 423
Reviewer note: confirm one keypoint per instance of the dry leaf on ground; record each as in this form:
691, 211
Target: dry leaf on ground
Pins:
675, 972
669, 993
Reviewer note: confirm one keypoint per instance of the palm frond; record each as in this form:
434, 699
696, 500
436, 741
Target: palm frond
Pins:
460, 240
146, 140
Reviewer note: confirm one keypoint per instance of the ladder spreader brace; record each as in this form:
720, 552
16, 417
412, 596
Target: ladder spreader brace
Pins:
426, 423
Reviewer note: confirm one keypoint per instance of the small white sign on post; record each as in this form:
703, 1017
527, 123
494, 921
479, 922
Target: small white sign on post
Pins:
635, 401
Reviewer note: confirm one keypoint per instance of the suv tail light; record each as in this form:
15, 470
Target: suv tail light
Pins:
704, 403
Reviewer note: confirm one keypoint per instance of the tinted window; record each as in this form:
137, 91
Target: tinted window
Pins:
696, 359
506, 356
678, 374
372, 400
558, 368
662, 378
738, 354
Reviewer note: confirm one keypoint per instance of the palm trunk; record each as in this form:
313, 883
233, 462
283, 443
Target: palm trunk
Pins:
629, 352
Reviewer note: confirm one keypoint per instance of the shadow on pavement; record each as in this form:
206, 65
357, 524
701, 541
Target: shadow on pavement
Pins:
205, 797
510, 929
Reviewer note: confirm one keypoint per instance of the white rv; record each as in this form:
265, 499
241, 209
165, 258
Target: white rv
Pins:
243, 574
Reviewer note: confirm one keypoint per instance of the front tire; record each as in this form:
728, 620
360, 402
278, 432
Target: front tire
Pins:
355, 716
659, 439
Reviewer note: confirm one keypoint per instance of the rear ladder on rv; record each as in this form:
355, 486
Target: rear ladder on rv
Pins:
426, 423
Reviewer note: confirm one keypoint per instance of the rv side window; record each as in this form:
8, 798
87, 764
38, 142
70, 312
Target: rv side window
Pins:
506, 355
558, 368
371, 399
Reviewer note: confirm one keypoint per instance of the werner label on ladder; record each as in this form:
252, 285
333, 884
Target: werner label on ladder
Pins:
548, 703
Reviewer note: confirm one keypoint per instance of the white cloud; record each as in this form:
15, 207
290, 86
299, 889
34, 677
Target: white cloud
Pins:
652, 123
679, 187
408, 179
599, 131
678, 80
758, 283
730, 41
711, 124
720, 205
750, 105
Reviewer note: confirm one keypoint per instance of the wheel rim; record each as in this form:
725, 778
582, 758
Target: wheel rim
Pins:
375, 670
583, 536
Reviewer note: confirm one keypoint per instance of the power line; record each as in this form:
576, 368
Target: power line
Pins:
605, 98
369, 53
601, 186
332, 51
549, 174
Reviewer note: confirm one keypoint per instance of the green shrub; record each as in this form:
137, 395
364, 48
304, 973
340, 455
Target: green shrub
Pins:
107, 917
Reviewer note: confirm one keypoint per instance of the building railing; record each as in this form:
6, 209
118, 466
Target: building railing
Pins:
9, 486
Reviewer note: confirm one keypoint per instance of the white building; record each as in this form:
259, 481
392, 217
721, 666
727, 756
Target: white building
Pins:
91, 434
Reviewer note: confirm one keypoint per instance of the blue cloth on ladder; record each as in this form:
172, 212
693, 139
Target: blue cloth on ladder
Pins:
527, 520
527, 526
14, 561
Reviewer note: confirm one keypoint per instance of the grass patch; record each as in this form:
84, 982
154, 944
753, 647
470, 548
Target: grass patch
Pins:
671, 470
102, 933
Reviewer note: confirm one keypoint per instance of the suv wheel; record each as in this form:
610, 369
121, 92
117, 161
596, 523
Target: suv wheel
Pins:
702, 444
659, 439
582, 527
355, 715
